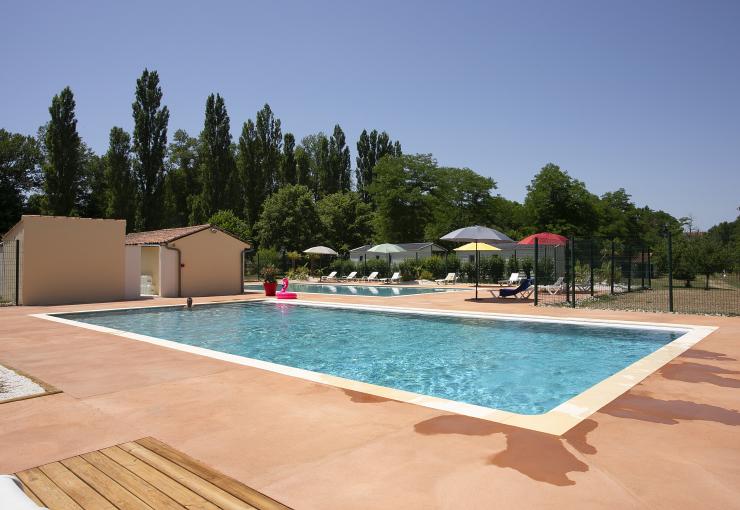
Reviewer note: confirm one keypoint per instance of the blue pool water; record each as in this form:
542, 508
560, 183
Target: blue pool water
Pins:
519, 366
356, 290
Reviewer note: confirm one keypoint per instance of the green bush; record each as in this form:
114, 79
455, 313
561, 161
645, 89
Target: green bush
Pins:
512, 265
491, 268
268, 257
426, 275
410, 269
380, 265
434, 265
527, 264
299, 273
467, 271
344, 266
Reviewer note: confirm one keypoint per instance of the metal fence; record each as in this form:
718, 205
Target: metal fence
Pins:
11, 260
618, 275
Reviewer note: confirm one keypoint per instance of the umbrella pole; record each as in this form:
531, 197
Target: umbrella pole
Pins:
477, 269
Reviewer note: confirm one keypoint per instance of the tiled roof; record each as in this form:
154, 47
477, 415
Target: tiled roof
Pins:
163, 236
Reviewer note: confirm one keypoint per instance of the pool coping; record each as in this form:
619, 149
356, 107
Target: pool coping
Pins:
557, 421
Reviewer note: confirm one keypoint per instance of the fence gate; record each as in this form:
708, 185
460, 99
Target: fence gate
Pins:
10, 272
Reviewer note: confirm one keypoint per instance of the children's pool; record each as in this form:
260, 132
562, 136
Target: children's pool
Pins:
520, 366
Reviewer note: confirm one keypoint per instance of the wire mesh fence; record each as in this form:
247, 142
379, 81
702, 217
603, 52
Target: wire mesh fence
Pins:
10, 272
624, 275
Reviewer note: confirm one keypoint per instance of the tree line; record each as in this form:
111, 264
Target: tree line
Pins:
284, 193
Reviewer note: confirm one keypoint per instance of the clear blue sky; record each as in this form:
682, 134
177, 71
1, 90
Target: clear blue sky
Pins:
643, 95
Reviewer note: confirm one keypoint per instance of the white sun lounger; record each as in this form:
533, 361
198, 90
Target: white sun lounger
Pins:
513, 280
556, 287
350, 277
450, 278
330, 276
372, 277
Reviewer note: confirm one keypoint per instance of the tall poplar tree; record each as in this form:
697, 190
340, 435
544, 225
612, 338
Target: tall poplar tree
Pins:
120, 201
250, 172
370, 149
150, 146
181, 187
340, 163
288, 164
303, 167
270, 141
217, 166
63, 173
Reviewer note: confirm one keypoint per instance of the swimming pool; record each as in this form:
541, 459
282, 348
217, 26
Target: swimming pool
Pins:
520, 366
354, 290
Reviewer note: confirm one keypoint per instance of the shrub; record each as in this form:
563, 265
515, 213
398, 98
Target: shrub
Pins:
299, 273
269, 274
526, 265
380, 265
492, 268
512, 265
426, 275
434, 265
268, 257
467, 271
343, 266
410, 269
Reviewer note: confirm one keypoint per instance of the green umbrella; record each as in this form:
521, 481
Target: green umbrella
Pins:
386, 248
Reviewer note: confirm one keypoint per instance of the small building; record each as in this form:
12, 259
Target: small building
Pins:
411, 251
54, 260
201, 260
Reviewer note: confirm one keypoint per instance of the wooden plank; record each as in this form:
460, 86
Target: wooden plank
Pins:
234, 487
135, 485
104, 485
173, 489
193, 482
47, 491
75, 488
31, 495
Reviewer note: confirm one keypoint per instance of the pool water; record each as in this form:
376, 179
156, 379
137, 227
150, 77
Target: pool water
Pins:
515, 365
354, 290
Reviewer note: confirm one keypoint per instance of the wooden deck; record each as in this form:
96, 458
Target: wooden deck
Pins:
143, 474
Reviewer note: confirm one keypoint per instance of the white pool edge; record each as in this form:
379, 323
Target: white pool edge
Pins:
556, 421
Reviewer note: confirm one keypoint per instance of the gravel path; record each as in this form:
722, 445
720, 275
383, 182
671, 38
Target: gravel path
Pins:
13, 385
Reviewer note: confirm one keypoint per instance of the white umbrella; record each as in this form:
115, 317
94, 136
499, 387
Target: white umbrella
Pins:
320, 250
386, 248
475, 234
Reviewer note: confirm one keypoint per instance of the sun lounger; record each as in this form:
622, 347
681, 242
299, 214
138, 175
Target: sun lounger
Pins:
395, 278
450, 278
329, 277
556, 287
513, 280
350, 277
372, 277
524, 289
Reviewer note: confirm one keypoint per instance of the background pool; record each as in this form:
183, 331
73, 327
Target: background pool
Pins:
354, 290
519, 366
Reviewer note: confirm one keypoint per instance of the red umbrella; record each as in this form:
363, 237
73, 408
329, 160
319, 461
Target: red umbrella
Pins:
545, 238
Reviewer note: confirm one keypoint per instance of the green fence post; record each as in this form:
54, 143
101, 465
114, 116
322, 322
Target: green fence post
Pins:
629, 269
566, 263
611, 272
591, 264
670, 272
642, 268
650, 270
536, 269
573, 272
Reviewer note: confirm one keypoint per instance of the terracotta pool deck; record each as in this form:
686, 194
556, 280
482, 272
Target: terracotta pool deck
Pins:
671, 442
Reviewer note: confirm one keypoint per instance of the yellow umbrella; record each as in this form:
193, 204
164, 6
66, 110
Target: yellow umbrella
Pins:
477, 247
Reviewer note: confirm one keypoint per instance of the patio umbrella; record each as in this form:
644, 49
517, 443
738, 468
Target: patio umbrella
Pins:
475, 234
477, 247
545, 238
386, 248
320, 250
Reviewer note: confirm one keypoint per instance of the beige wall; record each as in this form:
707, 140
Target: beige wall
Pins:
72, 260
132, 273
169, 273
211, 263
150, 265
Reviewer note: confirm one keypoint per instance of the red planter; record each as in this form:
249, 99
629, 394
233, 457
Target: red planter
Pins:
270, 288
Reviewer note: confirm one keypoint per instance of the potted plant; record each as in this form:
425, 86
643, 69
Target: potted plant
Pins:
268, 274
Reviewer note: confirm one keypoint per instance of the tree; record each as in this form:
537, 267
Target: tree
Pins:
270, 141
120, 192
217, 167
709, 257
459, 197
340, 164
20, 158
289, 219
63, 173
181, 187
303, 167
231, 223
346, 220
93, 199
288, 162
150, 145
618, 216
316, 147
371, 149
250, 172
400, 191
558, 203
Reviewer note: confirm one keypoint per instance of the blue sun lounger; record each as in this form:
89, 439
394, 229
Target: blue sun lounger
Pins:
525, 288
